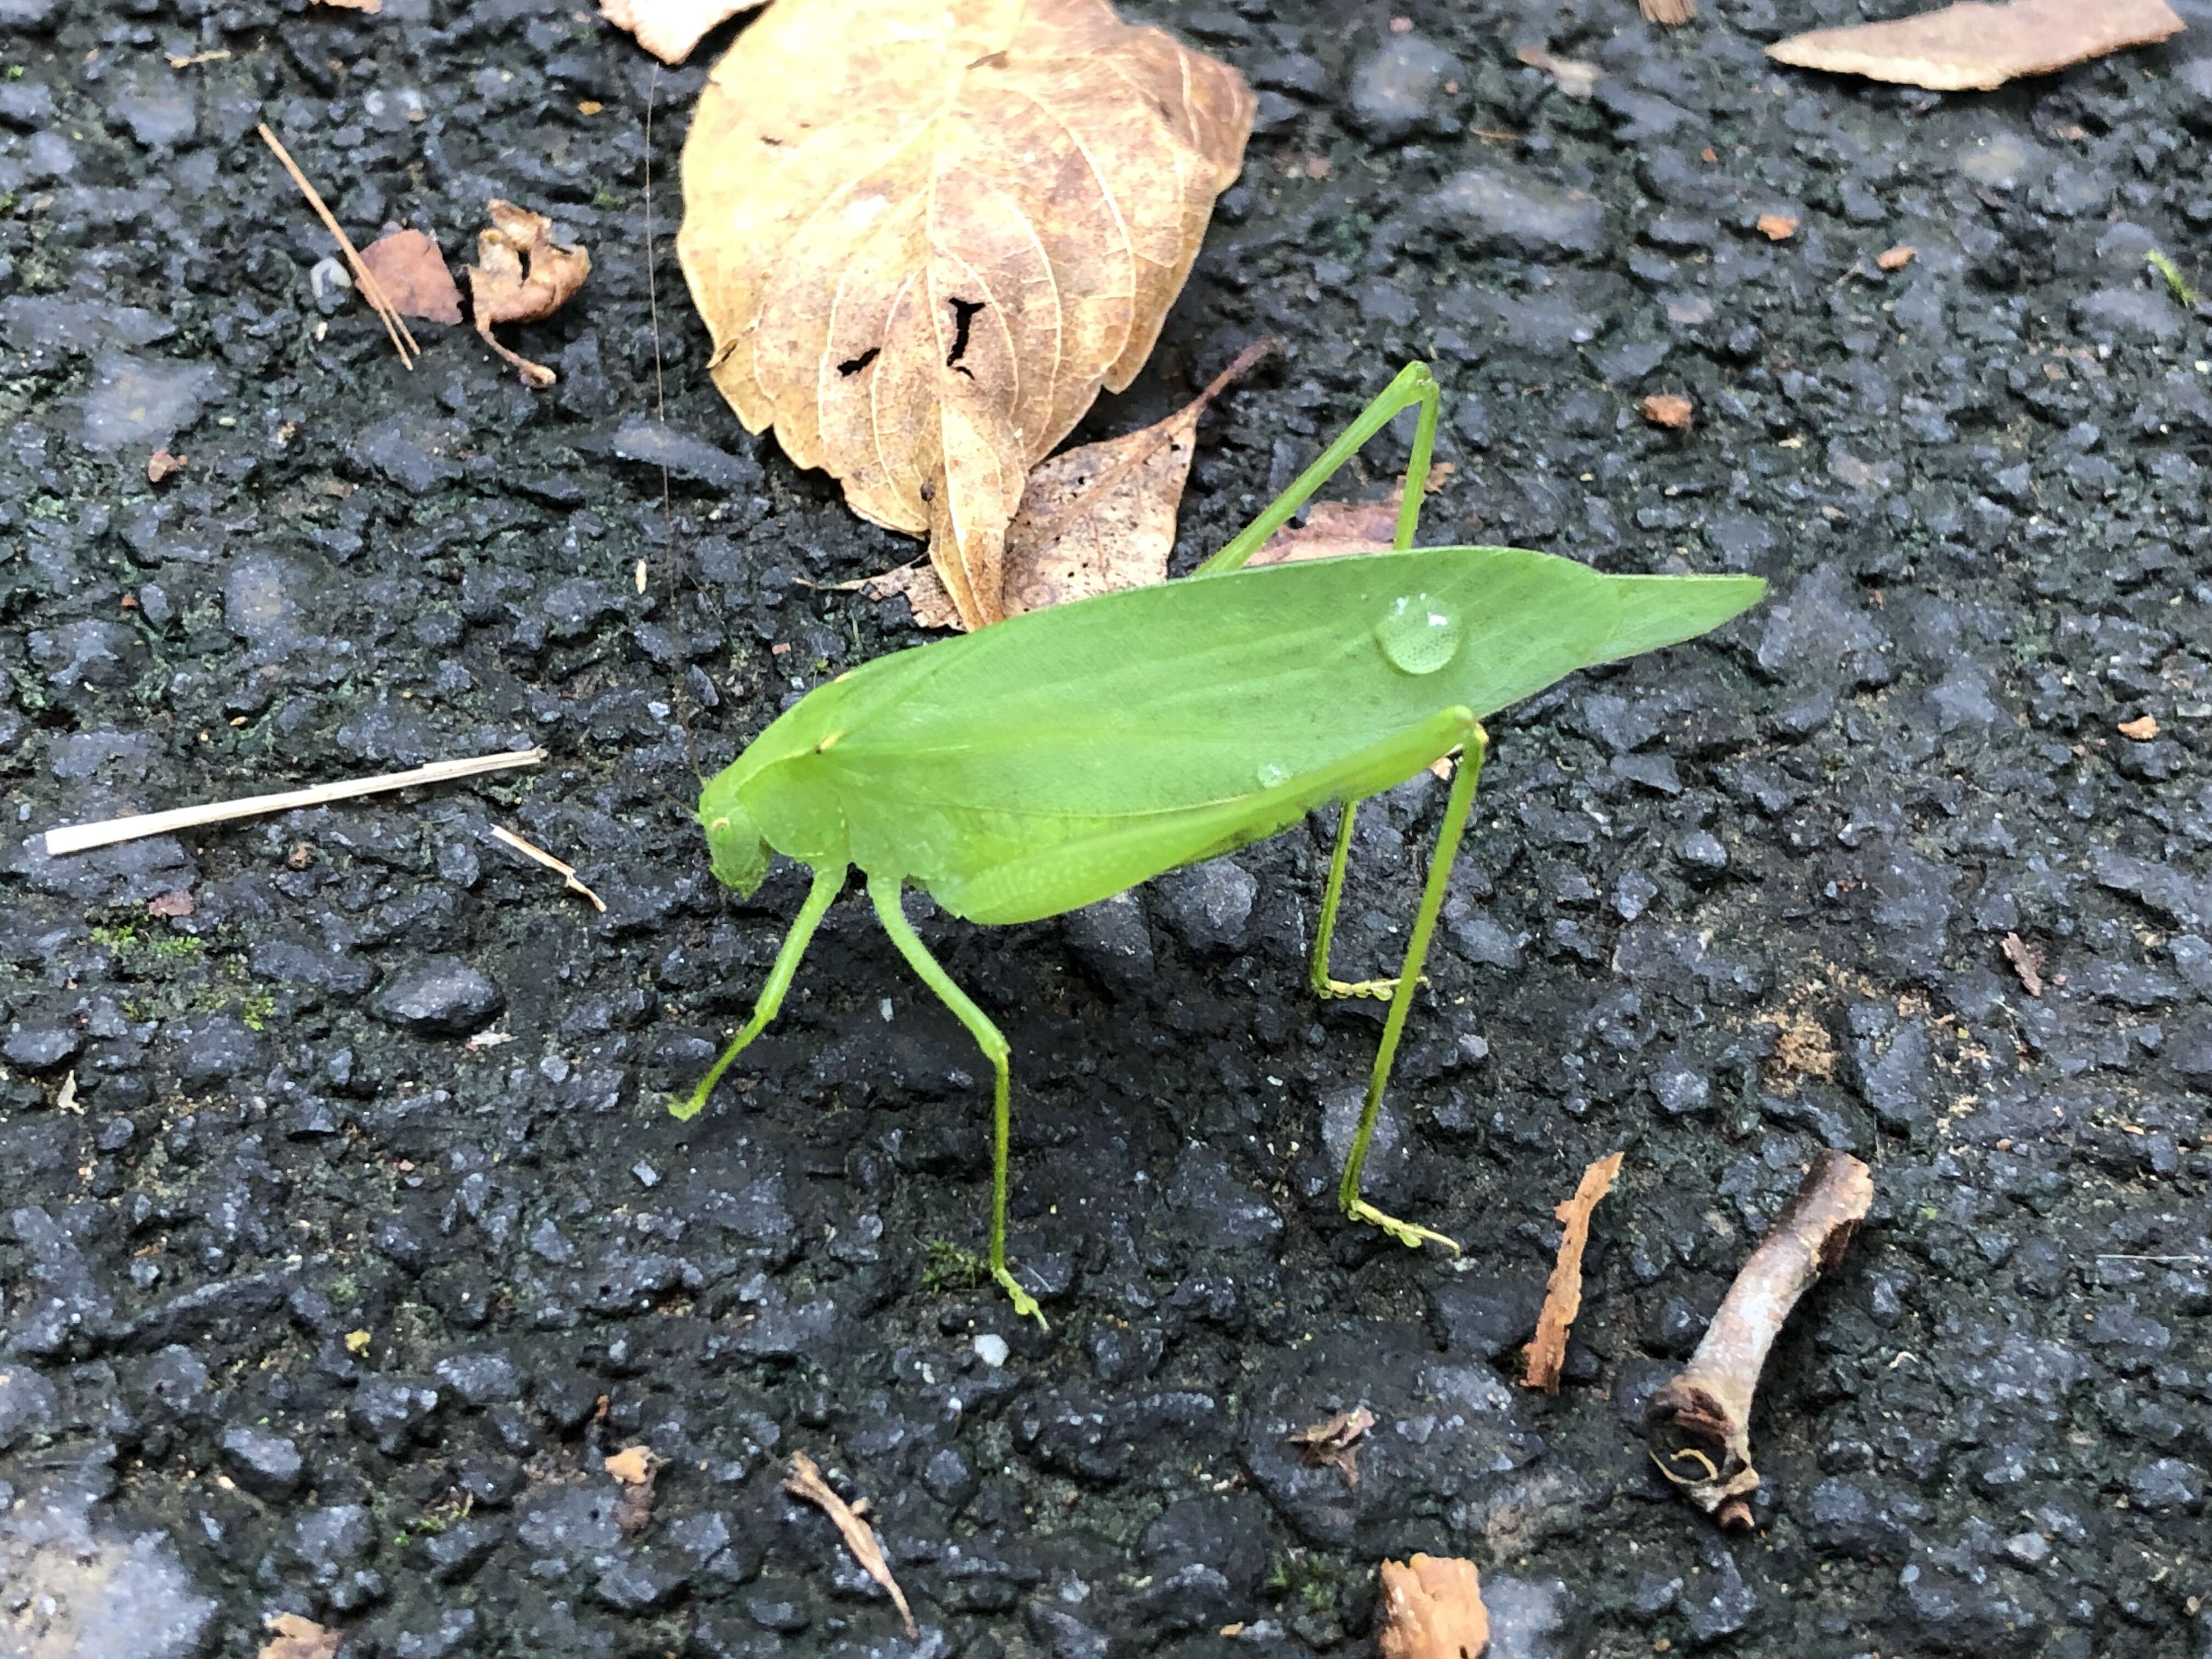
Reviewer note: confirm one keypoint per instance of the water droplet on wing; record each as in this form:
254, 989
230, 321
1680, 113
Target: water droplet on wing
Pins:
1271, 774
1418, 635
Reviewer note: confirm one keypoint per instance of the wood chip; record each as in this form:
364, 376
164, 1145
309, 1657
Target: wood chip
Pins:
1563, 1292
414, 276
2141, 730
1432, 1609
522, 276
1896, 259
804, 1480
1333, 1442
160, 464
2026, 962
1665, 408
1973, 48
1778, 226
669, 29
292, 1636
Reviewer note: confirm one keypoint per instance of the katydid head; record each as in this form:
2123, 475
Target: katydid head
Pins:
734, 844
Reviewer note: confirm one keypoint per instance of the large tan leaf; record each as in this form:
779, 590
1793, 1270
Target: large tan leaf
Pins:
1972, 47
924, 236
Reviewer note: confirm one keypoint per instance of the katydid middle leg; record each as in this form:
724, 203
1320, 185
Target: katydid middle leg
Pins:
1457, 809
883, 892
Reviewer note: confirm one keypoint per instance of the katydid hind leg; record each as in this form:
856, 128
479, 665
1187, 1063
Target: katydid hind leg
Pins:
883, 892
1414, 383
1457, 809
829, 881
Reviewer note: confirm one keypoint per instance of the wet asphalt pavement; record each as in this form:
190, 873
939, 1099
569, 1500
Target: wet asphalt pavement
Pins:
314, 1300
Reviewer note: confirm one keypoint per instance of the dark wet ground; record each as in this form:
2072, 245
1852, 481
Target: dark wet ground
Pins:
310, 1303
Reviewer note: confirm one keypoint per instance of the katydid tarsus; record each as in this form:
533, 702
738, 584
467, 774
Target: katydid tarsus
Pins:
1060, 757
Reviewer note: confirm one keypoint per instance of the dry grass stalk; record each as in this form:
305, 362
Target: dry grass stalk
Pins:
371, 289
78, 837
566, 871
804, 1480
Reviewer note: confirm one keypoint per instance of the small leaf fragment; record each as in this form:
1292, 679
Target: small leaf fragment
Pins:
1976, 47
1778, 226
1576, 79
2026, 962
1896, 259
160, 464
292, 1636
1563, 1291
522, 276
635, 1468
1333, 1442
2142, 729
804, 1480
414, 275
669, 29
1432, 1609
1667, 410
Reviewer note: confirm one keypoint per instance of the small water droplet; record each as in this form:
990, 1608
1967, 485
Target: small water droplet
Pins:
1418, 635
1271, 775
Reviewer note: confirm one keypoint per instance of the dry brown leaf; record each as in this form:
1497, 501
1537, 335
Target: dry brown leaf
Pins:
1333, 529
1896, 259
924, 238
1333, 1442
1666, 409
1578, 80
294, 1637
1563, 1291
636, 1469
1094, 519
1972, 47
2141, 730
520, 276
1778, 226
1432, 1609
170, 905
804, 1480
670, 28
160, 464
414, 275
2026, 962
1672, 13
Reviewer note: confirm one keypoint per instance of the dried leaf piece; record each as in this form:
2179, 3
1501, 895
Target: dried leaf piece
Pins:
1972, 47
160, 464
1896, 259
670, 28
1578, 80
295, 1638
521, 276
1094, 519
804, 1480
1333, 1442
1672, 13
414, 275
170, 905
2140, 730
636, 1469
1333, 529
924, 238
1667, 410
2026, 962
1432, 1609
1563, 1291
371, 7
1697, 1425
1778, 226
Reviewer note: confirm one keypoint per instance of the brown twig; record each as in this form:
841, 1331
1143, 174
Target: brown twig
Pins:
804, 1480
1698, 1425
371, 289
77, 837
567, 872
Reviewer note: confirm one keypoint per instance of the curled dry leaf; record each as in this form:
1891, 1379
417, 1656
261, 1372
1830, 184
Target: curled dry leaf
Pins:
1333, 1442
292, 1636
160, 464
1563, 1292
670, 28
924, 238
1432, 1609
414, 275
804, 1480
1094, 519
1665, 408
521, 276
1972, 47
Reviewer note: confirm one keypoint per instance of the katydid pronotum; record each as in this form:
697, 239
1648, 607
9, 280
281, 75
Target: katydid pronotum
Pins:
1060, 757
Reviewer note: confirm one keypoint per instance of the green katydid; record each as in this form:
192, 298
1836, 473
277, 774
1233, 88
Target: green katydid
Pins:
1063, 755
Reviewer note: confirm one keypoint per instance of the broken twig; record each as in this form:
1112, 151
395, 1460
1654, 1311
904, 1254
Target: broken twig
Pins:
1698, 1423
371, 290
804, 1480
77, 837
566, 871
1563, 1292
